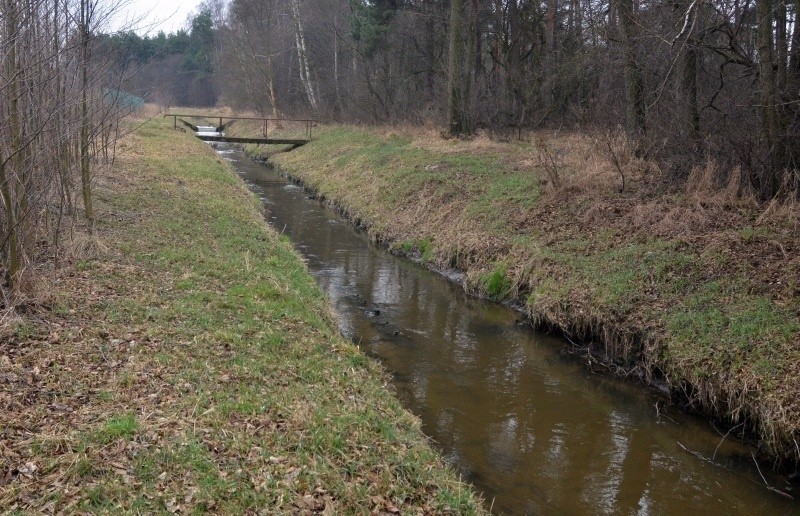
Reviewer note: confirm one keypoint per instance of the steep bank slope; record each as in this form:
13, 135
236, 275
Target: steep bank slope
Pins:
191, 364
700, 286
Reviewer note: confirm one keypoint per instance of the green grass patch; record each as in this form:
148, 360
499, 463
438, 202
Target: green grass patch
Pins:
422, 248
118, 427
496, 283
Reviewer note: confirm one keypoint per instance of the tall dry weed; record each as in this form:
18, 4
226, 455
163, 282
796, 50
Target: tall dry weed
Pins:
783, 211
567, 164
147, 112
83, 246
708, 185
620, 153
32, 290
9, 320
549, 159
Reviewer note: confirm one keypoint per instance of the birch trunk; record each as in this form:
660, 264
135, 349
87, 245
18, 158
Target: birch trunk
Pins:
302, 56
271, 85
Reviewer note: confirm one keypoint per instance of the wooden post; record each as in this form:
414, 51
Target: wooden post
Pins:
175, 122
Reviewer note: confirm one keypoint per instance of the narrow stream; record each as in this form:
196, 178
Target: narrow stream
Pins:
524, 422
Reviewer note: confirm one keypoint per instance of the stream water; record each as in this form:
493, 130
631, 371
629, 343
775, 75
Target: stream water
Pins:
527, 424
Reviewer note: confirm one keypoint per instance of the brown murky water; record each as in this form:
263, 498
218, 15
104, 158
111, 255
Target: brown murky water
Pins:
527, 424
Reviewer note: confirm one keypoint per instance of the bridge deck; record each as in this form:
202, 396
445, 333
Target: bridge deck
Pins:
306, 123
261, 141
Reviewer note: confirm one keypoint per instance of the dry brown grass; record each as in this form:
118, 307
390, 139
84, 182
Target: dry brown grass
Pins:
149, 110
591, 164
83, 246
431, 137
707, 185
785, 211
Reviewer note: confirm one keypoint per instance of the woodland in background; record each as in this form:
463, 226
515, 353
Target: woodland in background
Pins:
174, 69
689, 80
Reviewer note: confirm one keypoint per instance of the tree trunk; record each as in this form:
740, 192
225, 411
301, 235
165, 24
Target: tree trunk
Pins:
12, 248
60, 100
430, 49
86, 178
549, 93
302, 56
473, 56
770, 181
514, 63
11, 183
336, 85
781, 49
271, 82
635, 119
456, 103
550, 31
477, 40
689, 83
794, 59
690, 91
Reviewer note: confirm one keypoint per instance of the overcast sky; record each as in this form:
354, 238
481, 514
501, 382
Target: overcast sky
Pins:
155, 15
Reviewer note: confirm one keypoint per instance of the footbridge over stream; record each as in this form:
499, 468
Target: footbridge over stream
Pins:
290, 131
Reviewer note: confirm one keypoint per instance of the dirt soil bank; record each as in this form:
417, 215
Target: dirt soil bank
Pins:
700, 285
185, 361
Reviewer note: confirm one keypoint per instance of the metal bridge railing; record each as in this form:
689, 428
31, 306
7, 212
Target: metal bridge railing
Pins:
307, 123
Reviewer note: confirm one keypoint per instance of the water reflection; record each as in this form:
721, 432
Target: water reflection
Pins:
530, 427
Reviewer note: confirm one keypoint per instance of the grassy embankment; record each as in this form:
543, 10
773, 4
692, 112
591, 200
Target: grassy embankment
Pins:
192, 364
700, 285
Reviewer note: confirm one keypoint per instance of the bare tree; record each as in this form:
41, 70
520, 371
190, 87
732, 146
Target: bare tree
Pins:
53, 129
457, 121
689, 80
86, 14
302, 56
634, 85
